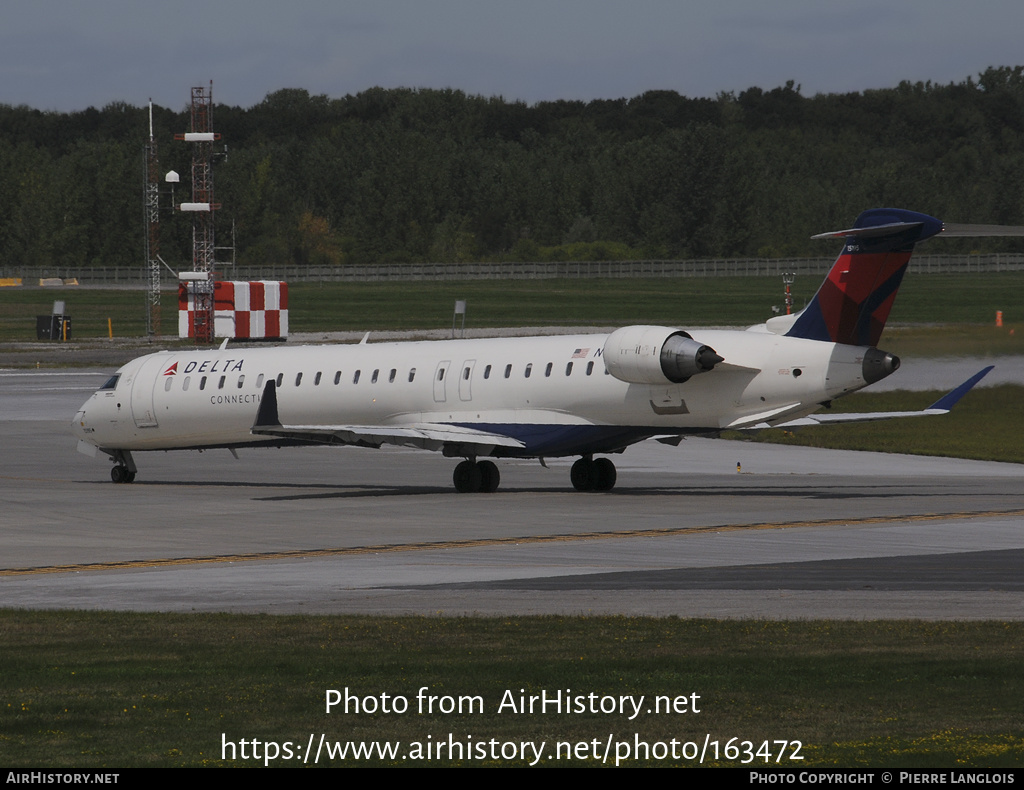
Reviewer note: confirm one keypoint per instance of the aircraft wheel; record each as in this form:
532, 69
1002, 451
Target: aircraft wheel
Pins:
490, 476
467, 477
583, 475
130, 477
606, 474
119, 474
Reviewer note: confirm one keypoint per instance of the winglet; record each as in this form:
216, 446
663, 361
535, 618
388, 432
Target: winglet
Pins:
949, 400
267, 417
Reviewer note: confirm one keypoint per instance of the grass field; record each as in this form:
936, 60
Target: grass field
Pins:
731, 301
105, 689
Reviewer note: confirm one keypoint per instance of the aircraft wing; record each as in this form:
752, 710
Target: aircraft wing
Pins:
755, 422
941, 406
426, 436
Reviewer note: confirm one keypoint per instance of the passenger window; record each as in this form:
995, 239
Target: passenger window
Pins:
185, 383
337, 377
316, 381
590, 367
373, 378
280, 380
391, 376
568, 369
220, 384
487, 372
202, 383
508, 371
355, 377
412, 374
465, 374
547, 370
259, 382
529, 369
241, 381
440, 374
167, 383
298, 379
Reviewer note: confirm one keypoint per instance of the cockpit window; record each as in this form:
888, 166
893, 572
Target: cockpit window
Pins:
111, 383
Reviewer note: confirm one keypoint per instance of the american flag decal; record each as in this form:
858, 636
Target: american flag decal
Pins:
580, 353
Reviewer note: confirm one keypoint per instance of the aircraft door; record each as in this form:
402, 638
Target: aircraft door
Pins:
144, 385
466, 380
439, 381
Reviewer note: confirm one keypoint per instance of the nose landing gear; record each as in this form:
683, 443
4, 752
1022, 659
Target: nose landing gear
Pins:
124, 468
120, 474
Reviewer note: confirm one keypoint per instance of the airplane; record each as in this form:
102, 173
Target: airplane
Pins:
532, 397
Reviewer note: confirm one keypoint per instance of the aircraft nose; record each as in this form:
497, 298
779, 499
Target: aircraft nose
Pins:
82, 426
78, 424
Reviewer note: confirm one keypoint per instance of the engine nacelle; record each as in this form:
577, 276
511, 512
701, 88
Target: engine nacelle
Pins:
656, 355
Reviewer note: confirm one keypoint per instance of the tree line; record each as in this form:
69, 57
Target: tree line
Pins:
402, 175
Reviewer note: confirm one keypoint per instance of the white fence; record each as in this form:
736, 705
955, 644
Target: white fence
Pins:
406, 272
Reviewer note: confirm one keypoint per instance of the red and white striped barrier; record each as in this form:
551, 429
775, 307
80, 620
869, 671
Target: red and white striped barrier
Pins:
242, 310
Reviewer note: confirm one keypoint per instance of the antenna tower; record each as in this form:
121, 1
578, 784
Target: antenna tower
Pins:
152, 214
202, 207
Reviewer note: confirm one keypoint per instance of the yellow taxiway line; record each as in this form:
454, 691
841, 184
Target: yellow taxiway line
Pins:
385, 548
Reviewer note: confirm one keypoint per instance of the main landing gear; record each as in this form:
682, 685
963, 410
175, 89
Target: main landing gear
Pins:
590, 475
587, 474
471, 477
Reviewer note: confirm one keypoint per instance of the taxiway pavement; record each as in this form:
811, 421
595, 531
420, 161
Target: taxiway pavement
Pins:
797, 533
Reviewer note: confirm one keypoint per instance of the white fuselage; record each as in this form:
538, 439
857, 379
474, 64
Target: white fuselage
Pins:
554, 394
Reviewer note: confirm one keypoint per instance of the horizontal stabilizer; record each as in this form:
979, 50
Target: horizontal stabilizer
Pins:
956, 229
887, 229
949, 229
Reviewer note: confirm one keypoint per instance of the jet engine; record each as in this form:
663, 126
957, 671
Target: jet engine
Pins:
656, 355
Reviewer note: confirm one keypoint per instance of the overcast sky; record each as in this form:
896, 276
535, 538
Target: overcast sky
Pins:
72, 54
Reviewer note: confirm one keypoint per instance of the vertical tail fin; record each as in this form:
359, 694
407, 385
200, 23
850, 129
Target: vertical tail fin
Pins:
853, 304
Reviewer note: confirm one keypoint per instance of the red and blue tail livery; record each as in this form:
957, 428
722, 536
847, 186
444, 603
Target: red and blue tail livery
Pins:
853, 304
